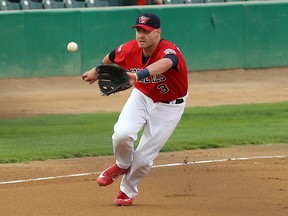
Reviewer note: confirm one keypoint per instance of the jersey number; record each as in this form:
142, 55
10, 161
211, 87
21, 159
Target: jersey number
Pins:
163, 88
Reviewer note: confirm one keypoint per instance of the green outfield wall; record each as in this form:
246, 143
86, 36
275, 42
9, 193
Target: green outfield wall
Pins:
211, 36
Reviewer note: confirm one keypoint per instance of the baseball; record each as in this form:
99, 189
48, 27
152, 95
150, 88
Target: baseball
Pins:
72, 47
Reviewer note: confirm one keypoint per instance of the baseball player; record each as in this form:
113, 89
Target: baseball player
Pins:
158, 71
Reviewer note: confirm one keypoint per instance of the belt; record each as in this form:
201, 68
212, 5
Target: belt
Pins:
177, 101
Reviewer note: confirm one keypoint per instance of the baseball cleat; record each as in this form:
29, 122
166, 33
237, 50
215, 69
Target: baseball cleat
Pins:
109, 175
122, 200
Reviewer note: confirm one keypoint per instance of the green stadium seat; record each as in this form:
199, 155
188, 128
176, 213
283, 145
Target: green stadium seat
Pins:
9, 5
121, 2
194, 1
53, 4
214, 1
96, 3
173, 1
31, 4
75, 3
235, 0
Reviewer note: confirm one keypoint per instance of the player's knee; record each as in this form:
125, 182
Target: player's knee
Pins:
141, 162
121, 137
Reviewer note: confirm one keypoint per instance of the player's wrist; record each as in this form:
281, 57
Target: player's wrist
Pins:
136, 77
96, 67
142, 74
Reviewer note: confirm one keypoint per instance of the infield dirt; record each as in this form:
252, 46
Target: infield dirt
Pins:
253, 187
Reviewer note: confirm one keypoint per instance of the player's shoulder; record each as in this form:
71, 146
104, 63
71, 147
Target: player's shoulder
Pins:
126, 47
131, 43
165, 42
168, 47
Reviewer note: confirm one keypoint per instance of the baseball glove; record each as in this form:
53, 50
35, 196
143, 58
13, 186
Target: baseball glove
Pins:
112, 79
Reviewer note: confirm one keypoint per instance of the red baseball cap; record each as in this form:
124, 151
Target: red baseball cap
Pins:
148, 21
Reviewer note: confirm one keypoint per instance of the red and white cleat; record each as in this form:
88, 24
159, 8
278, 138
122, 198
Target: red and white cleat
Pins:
122, 200
109, 175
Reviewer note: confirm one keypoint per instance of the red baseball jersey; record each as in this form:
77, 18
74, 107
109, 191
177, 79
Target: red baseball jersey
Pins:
167, 86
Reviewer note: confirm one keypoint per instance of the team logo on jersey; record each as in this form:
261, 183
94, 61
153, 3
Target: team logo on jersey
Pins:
169, 51
120, 48
143, 19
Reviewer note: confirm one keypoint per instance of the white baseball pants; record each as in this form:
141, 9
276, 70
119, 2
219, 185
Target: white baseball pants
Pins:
158, 121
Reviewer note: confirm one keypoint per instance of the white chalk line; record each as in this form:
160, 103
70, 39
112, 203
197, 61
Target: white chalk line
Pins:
156, 166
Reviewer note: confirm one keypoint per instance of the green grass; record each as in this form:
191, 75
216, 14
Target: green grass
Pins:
224, 126
85, 135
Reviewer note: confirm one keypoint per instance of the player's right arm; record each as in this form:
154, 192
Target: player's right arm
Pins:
158, 67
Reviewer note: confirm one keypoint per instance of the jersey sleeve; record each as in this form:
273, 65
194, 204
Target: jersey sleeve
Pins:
169, 50
112, 56
173, 58
120, 56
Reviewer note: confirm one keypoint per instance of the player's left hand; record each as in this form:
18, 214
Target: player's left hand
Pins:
112, 79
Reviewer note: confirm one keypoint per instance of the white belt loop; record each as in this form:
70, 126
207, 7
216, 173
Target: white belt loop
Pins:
173, 102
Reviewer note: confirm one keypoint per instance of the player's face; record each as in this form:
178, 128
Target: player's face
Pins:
146, 39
